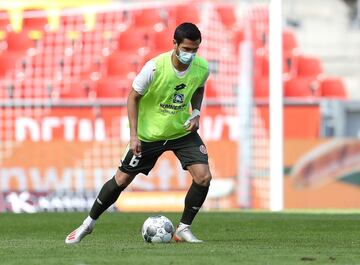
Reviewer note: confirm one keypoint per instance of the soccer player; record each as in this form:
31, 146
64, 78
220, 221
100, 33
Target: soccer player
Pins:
160, 120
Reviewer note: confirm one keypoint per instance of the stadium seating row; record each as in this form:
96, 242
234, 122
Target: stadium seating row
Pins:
305, 87
151, 17
303, 74
64, 62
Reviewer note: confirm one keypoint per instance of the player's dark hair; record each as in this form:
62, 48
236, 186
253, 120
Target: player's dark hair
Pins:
187, 31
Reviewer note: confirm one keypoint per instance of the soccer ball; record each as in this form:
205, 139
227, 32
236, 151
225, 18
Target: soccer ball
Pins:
157, 229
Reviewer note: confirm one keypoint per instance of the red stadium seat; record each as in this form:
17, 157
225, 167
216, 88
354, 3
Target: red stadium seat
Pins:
19, 42
289, 50
78, 89
137, 40
289, 40
259, 36
8, 61
4, 20
187, 13
308, 66
303, 87
149, 18
261, 65
37, 22
163, 40
124, 64
152, 54
290, 62
332, 87
210, 89
113, 87
237, 37
261, 88
227, 15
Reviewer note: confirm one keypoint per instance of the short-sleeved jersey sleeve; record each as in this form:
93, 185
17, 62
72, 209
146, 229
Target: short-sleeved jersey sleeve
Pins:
143, 80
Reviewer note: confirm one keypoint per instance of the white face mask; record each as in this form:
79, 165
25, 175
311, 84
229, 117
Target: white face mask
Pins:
185, 57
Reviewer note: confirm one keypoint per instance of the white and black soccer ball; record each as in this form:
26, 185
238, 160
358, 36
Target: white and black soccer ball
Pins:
157, 229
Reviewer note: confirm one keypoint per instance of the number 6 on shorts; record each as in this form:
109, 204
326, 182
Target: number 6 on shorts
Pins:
134, 161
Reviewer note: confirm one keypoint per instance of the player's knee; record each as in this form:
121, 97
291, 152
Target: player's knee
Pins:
204, 180
123, 179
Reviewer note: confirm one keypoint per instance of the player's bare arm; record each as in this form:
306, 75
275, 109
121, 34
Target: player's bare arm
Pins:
196, 101
132, 108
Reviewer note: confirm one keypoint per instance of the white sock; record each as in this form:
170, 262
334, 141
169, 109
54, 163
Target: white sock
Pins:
89, 222
182, 225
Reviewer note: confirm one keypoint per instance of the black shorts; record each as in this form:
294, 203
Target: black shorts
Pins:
189, 149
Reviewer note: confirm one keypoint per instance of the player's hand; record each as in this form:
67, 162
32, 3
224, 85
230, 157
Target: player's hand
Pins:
135, 145
194, 124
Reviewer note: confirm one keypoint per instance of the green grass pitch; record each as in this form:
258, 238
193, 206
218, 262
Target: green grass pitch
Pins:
230, 238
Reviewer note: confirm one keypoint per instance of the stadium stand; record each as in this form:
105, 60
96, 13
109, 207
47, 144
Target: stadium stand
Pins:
53, 62
83, 69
